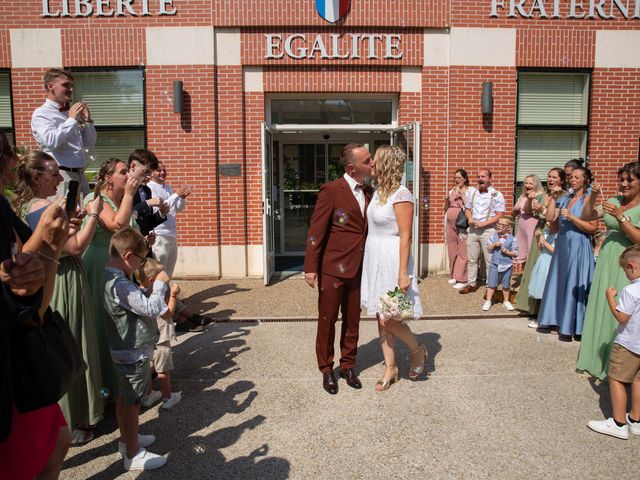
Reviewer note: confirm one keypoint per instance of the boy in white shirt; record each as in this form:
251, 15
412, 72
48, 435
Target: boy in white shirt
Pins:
624, 362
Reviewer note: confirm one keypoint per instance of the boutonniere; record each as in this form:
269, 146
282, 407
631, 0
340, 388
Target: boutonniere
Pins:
494, 194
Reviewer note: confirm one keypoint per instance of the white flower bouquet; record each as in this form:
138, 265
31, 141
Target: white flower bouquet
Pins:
395, 305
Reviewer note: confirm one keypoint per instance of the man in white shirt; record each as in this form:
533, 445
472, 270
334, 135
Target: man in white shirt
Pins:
485, 206
64, 131
165, 248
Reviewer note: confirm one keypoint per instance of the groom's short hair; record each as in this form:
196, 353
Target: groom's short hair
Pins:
346, 156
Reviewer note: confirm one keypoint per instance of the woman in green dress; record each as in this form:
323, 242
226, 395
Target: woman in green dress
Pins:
116, 190
556, 185
38, 177
621, 214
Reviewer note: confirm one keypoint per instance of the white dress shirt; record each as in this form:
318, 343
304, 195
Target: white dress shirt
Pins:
61, 136
176, 204
629, 304
484, 205
357, 192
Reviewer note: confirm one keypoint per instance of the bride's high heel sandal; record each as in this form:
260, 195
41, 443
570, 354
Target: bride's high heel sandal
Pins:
416, 371
389, 378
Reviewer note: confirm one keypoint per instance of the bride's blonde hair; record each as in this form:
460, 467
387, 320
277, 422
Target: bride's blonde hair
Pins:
388, 166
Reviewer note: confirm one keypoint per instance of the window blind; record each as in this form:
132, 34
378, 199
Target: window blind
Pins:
114, 144
553, 99
115, 98
5, 102
541, 150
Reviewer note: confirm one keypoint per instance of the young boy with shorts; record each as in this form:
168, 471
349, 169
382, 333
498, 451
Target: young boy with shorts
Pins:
503, 248
624, 362
132, 332
162, 355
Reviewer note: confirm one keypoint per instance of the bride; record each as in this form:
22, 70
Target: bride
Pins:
387, 261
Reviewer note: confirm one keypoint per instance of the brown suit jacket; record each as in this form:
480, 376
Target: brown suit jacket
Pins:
337, 233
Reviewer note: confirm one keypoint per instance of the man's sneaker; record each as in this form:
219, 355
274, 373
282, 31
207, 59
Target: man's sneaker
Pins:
172, 401
508, 306
609, 427
152, 398
486, 306
452, 281
533, 324
144, 441
144, 460
633, 427
460, 285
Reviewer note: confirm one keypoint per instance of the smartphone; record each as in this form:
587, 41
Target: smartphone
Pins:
72, 198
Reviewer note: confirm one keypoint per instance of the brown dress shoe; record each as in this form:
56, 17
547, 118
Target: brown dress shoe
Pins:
468, 289
329, 382
349, 374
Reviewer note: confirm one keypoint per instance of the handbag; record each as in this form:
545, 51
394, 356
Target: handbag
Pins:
461, 221
45, 361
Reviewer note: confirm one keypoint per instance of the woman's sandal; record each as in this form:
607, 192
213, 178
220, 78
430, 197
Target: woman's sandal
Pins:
80, 437
415, 372
387, 380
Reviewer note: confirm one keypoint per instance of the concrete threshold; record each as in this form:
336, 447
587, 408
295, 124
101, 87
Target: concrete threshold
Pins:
367, 318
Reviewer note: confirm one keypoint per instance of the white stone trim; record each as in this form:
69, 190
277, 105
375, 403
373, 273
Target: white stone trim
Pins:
36, 47
487, 47
253, 79
617, 49
437, 48
234, 261
411, 80
228, 46
179, 46
433, 258
255, 267
197, 262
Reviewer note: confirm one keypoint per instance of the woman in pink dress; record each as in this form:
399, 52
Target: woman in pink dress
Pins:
456, 238
528, 220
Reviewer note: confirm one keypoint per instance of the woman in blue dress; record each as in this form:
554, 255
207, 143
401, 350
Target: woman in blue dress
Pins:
565, 294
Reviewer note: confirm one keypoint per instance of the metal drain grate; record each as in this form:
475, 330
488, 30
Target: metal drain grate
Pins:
365, 318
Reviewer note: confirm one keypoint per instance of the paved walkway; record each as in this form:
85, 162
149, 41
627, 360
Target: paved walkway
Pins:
500, 401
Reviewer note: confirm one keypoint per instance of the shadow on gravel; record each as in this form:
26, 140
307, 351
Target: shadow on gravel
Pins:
370, 354
202, 301
604, 398
187, 432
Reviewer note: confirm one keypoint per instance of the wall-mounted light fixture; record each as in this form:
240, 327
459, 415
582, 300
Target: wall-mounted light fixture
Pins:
487, 98
178, 96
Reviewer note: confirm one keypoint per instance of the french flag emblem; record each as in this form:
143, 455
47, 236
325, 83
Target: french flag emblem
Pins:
332, 10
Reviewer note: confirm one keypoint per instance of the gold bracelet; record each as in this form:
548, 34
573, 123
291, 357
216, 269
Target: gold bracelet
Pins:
47, 257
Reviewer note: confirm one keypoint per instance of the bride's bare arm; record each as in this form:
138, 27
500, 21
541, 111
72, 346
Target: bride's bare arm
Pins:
404, 218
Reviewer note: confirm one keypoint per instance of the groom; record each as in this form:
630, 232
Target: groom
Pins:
333, 259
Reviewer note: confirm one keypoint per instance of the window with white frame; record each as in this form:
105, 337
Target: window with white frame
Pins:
552, 129
6, 117
116, 100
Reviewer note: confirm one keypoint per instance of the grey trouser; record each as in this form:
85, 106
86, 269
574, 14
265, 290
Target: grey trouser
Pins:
64, 185
477, 246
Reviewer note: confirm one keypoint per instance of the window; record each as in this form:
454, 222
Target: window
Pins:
116, 100
332, 111
6, 117
552, 121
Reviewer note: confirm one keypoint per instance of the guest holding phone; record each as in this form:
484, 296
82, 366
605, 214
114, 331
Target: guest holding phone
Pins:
38, 178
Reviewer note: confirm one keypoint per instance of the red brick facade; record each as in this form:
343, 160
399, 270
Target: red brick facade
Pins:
222, 122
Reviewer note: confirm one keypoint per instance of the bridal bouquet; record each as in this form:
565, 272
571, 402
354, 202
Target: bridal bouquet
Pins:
395, 305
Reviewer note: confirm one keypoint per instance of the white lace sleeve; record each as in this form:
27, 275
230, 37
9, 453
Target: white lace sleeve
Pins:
402, 195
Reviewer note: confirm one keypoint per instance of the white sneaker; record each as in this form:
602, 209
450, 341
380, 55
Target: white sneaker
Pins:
609, 427
172, 401
533, 324
152, 398
144, 460
460, 285
144, 441
487, 305
452, 281
508, 306
633, 427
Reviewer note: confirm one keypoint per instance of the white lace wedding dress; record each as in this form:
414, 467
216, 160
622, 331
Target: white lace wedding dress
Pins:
382, 254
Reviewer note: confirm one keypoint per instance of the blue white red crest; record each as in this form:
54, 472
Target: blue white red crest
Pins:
332, 10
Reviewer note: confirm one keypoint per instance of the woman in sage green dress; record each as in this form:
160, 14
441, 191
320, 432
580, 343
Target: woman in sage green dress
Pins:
556, 184
621, 214
82, 405
117, 191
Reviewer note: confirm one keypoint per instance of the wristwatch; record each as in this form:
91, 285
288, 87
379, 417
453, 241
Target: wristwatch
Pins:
623, 219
